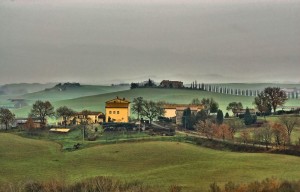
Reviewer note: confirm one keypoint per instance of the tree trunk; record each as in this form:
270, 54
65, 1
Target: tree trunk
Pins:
274, 108
65, 122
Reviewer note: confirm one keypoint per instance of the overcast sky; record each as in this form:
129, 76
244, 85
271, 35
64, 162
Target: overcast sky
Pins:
110, 41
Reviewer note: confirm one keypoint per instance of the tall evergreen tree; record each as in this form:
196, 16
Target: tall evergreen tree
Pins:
220, 117
188, 119
248, 120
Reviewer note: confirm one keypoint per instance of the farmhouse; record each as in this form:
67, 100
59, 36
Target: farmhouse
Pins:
176, 110
90, 116
21, 122
171, 84
117, 110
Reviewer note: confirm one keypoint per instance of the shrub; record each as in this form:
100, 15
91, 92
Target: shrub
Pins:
175, 188
267, 185
227, 115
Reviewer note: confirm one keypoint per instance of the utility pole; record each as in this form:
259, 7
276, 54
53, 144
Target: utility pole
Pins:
83, 132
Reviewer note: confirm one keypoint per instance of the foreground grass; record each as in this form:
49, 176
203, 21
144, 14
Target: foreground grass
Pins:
153, 163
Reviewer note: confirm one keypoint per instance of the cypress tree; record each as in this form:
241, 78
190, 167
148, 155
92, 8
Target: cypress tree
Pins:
220, 117
248, 118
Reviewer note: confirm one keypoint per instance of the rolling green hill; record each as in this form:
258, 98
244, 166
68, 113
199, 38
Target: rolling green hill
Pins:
54, 94
154, 163
184, 96
23, 88
16, 91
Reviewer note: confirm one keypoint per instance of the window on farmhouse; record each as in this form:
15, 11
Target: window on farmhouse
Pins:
117, 112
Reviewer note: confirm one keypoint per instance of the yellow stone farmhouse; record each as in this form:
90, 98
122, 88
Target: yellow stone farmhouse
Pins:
117, 110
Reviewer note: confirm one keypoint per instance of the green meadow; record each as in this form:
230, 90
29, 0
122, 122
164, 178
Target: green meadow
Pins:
154, 163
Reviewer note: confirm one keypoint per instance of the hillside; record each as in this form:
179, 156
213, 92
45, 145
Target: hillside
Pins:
55, 94
16, 91
187, 165
97, 102
23, 88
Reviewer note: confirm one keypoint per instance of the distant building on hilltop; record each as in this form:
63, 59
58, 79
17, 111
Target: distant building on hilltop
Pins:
171, 84
117, 110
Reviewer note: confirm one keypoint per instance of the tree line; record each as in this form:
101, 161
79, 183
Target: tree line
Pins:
41, 110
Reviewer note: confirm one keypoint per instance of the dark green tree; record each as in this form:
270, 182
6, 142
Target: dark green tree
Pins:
134, 85
188, 119
6, 117
149, 83
220, 117
248, 120
226, 115
214, 106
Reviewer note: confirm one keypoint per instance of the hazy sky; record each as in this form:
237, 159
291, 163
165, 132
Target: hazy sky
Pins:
109, 41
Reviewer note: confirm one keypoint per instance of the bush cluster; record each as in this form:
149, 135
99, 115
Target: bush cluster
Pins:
96, 184
267, 185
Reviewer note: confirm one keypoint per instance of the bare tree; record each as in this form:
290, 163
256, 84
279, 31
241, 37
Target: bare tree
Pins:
210, 105
65, 113
280, 134
262, 103
206, 128
137, 106
290, 122
245, 136
275, 96
42, 110
152, 110
234, 125
266, 135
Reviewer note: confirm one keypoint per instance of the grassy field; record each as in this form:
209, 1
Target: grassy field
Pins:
155, 163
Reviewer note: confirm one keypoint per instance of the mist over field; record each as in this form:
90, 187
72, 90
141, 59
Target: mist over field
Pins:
100, 42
